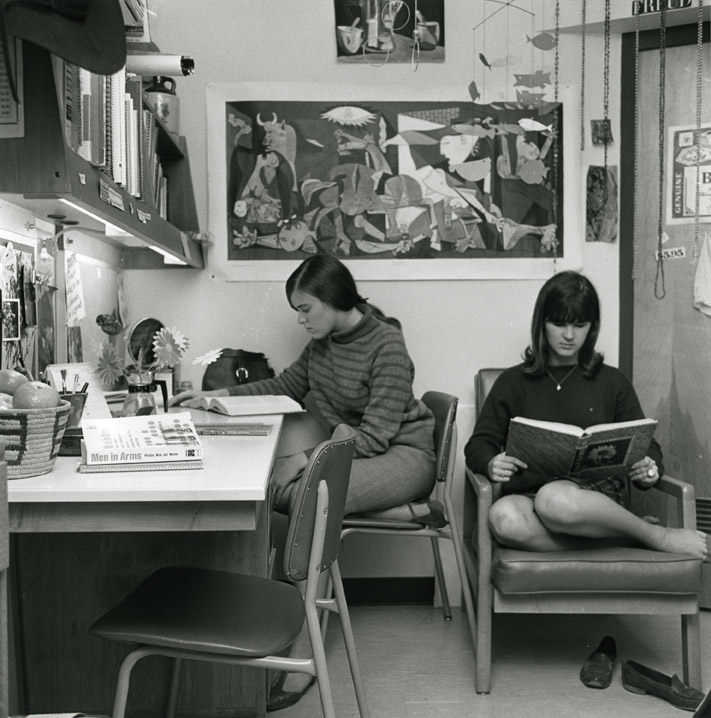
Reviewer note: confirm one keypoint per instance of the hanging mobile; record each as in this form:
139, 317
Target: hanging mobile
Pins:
635, 171
556, 153
659, 288
582, 74
696, 247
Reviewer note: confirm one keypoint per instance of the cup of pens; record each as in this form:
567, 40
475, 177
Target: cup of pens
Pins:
76, 401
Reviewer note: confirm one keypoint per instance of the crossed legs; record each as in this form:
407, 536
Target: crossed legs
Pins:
564, 516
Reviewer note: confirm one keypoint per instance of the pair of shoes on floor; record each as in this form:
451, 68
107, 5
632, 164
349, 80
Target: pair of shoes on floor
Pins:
278, 698
597, 670
434, 518
637, 678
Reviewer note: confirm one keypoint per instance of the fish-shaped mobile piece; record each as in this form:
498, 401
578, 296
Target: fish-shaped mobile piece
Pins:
474, 130
504, 61
484, 61
508, 129
473, 91
532, 99
543, 41
537, 79
531, 125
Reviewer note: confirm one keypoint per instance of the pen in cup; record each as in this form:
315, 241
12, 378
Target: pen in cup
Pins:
75, 386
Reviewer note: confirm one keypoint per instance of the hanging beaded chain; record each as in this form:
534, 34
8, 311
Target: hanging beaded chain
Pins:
582, 74
556, 145
696, 247
606, 98
659, 288
635, 203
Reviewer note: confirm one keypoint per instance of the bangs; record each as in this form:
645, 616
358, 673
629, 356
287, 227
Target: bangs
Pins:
577, 310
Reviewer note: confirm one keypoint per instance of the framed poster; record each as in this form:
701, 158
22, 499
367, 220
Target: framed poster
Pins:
11, 320
398, 188
684, 178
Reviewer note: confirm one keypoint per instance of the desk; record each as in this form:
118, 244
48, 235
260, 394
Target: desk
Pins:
83, 541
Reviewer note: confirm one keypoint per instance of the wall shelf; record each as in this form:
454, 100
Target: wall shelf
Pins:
42, 173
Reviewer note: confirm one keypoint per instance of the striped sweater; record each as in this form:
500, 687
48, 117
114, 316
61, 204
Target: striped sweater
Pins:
361, 377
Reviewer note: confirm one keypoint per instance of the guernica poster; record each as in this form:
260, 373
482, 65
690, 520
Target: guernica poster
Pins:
397, 187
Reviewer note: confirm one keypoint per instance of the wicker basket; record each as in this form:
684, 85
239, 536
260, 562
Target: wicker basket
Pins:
32, 438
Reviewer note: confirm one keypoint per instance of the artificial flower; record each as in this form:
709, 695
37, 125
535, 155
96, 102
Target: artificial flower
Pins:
108, 364
169, 345
208, 358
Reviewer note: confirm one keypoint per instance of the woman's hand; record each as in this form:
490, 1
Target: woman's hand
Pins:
186, 397
503, 467
644, 473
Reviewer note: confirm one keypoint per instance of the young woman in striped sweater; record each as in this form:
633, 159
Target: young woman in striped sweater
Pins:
356, 370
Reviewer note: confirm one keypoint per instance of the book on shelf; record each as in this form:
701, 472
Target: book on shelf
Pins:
556, 449
249, 405
156, 438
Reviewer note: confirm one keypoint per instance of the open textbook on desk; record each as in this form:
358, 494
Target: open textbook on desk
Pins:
259, 404
554, 449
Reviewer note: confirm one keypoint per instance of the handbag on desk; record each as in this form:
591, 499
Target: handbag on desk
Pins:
234, 367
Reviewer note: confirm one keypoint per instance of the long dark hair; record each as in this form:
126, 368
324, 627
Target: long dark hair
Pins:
329, 280
566, 298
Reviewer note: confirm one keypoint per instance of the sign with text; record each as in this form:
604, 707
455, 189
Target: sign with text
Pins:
688, 174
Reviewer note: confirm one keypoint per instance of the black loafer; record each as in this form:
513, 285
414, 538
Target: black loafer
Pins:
597, 670
637, 678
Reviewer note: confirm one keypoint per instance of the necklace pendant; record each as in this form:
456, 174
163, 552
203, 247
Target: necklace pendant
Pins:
557, 387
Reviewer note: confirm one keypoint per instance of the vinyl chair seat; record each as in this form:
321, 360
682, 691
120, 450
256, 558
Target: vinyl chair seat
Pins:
610, 569
207, 610
356, 521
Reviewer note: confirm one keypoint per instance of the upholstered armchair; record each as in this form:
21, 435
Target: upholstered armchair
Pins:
610, 580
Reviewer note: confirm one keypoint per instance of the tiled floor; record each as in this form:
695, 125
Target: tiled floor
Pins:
415, 665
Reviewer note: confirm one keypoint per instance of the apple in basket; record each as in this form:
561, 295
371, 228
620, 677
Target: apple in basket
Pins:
35, 395
11, 381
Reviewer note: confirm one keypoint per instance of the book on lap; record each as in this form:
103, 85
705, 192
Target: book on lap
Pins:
260, 404
130, 441
555, 449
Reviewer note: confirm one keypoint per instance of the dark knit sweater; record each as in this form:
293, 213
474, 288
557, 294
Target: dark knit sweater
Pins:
606, 397
361, 377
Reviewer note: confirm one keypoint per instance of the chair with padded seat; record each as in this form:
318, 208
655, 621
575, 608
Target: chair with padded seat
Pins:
606, 580
444, 408
218, 616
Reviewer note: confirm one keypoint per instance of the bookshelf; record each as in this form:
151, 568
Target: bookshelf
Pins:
41, 172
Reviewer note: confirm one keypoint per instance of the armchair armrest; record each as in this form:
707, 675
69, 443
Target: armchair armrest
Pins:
684, 497
482, 541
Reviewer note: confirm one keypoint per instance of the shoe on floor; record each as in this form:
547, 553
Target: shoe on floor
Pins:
279, 698
597, 670
637, 678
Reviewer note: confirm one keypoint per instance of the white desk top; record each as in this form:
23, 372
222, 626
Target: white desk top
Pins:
235, 468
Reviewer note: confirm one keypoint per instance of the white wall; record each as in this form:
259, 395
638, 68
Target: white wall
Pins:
452, 328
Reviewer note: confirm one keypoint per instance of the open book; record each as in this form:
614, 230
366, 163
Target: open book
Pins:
248, 405
555, 449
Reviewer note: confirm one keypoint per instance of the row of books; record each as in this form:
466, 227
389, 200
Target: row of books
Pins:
108, 124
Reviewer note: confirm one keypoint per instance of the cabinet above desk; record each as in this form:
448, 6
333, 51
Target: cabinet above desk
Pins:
41, 172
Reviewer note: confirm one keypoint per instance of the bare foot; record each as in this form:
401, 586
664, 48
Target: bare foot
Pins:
684, 541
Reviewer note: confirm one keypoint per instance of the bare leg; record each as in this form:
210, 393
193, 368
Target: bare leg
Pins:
565, 508
514, 523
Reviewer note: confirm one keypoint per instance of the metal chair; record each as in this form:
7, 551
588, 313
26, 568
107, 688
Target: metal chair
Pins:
444, 408
218, 616
608, 580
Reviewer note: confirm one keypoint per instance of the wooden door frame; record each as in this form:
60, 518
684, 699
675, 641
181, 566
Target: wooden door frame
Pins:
648, 40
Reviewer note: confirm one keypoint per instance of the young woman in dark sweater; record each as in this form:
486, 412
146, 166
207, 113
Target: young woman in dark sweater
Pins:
563, 378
